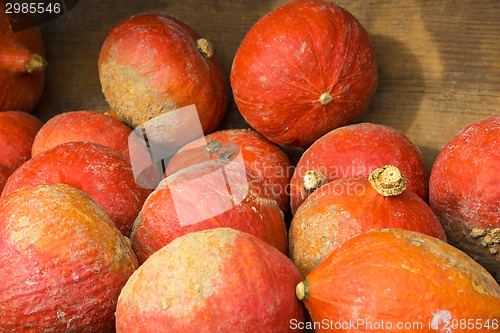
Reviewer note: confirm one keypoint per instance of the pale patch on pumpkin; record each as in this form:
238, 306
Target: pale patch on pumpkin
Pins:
441, 321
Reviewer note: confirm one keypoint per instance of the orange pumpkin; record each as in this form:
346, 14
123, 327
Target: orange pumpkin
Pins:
217, 280
63, 262
348, 207
396, 280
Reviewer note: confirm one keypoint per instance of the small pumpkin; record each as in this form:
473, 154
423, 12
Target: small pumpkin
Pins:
63, 262
101, 172
302, 70
465, 191
208, 195
151, 64
261, 156
355, 151
22, 66
347, 207
385, 278
216, 280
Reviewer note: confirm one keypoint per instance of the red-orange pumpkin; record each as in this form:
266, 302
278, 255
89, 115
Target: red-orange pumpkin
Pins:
151, 64
63, 262
101, 172
90, 126
302, 70
347, 207
217, 280
465, 191
264, 158
17, 133
206, 196
396, 280
22, 66
355, 151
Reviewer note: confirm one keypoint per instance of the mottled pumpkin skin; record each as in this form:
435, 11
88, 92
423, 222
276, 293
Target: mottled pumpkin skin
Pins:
21, 91
264, 158
101, 172
82, 126
149, 64
345, 208
290, 58
465, 191
216, 280
355, 151
399, 276
63, 262
206, 196
17, 133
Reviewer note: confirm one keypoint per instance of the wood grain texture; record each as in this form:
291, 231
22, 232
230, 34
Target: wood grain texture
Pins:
438, 61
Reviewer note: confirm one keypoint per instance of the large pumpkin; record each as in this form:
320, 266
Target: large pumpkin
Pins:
347, 207
302, 70
151, 64
213, 194
101, 172
465, 191
217, 280
355, 151
63, 262
396, 280
22, 66
264, 158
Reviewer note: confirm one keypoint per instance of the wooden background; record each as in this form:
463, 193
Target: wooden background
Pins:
439, 60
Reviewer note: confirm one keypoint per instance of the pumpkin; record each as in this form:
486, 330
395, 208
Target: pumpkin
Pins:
63, 262
264, 158
465, 191
151, 64
302, 70
347, 207
215, 280
87, 125
101, 172
355, 151
17, 133
397, 280
22, 66
213, 194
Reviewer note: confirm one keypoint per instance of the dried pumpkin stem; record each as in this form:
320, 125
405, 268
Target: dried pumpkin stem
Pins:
312, 180
36, 64
325, 98
388, 181
302, 291
212, 147
205, 48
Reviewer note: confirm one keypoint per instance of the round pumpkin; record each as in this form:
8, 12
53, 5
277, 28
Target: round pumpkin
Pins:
151, 64
264, 158
63, 262
216, 280
465, 191
101, 172
22, 66
83, 126
17, 133
397, 280
347, 207
355, 151
302, 70
205, 196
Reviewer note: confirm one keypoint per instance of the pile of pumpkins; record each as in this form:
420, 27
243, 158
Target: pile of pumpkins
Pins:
146, 220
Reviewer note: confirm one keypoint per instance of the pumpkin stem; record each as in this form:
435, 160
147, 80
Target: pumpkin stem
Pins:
325, 98
205, 47
36, 64
212, 147
312, 180
388, 181
302, 291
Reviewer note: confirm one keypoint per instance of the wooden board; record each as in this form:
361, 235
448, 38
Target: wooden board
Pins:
439, 61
